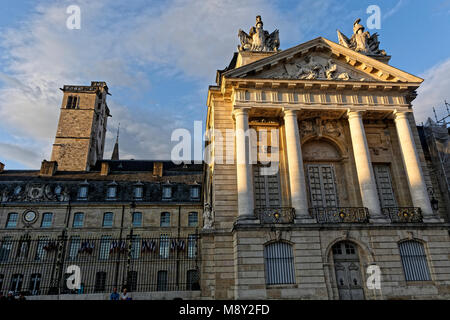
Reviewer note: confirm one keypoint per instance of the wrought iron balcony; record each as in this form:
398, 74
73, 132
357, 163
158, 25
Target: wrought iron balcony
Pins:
340, 214
275, 215
404, 214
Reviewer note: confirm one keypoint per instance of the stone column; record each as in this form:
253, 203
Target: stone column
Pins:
243, 166
295, 164
366, 177
412, 166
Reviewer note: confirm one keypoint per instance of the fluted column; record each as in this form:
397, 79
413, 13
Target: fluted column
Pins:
295, 164
366, 177
243, 166
412, 165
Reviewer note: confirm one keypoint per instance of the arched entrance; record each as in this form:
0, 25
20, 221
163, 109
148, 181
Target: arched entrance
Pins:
348, 271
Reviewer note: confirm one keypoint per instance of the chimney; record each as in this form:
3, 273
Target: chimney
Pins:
158, 169
48, 168
105, 169
2, 167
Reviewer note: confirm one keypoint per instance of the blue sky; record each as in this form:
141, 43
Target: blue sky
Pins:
158, 58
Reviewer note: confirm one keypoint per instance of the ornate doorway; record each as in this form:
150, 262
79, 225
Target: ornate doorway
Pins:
348, 271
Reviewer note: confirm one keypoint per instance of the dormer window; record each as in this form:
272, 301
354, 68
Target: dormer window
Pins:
138, 191
167, 193
111, 193
83, 191
195, 192
72, 102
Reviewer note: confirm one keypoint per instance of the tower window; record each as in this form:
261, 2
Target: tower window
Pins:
72, 102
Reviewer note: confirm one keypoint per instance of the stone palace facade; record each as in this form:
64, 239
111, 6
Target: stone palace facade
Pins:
326, 182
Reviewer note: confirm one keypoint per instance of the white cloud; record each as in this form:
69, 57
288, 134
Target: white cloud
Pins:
130, 45
433, 91
20, 154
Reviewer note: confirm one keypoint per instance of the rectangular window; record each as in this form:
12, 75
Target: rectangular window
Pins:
192, 246
16, 283
35, 284
267, 188
162, 281
167, 193
322, 186
23, 248
192, 278
40, 249
132, 280
12, 220
384, 186
137, 219
193, 219
164, 246
414, 261
135, 247
107, 219
100, 281
78, 220
279, 263
165, 219
47, 220
105, 247
5, 249
75, 245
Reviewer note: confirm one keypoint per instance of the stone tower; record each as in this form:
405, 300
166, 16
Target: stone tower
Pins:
80, 137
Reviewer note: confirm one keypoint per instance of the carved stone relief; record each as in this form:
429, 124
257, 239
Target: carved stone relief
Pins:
35, 193
313, 68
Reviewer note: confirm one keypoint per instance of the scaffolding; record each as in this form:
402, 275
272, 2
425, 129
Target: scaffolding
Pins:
437, 135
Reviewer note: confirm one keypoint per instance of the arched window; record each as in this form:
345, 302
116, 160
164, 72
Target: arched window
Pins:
279, 263
414, 261
12, 220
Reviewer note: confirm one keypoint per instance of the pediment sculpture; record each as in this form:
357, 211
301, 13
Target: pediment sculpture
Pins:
259, 39
361, 41
313, 68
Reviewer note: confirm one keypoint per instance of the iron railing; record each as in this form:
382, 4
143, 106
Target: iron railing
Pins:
38, 266
275, 215
404, 214
340, 214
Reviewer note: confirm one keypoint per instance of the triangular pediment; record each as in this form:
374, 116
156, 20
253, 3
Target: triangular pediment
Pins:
321, 59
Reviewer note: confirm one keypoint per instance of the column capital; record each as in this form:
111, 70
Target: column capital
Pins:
400, 114
289, 112
354, 113
240, 111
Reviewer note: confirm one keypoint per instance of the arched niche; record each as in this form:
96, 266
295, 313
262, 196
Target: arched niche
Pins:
321, 150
